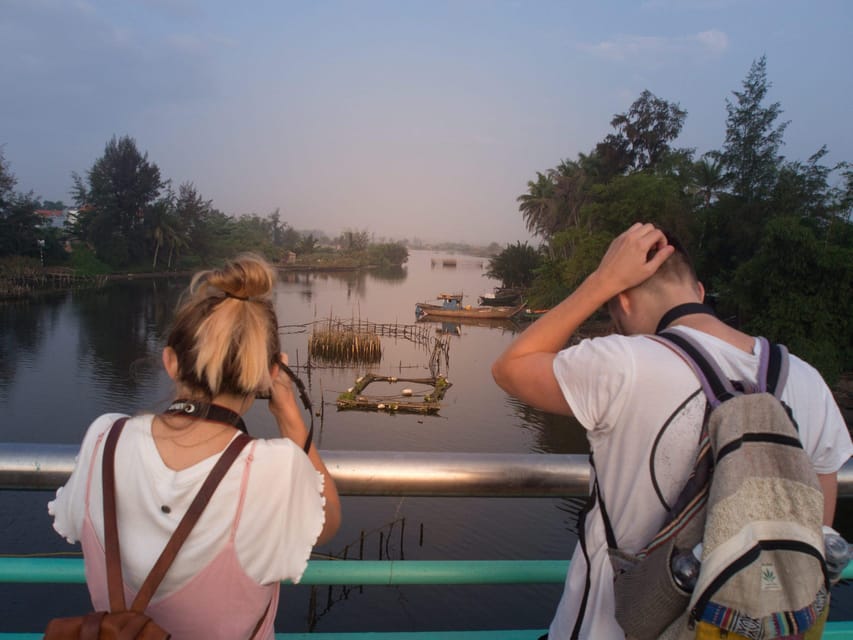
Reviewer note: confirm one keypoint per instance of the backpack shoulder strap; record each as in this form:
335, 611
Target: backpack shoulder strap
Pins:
596, 495
158, 572
777, 367
772, 369
716, 385
115, 586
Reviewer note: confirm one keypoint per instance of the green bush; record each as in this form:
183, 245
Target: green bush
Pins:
84, 260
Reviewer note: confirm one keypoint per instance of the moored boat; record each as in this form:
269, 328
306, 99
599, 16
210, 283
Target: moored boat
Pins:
423, 309
501, 297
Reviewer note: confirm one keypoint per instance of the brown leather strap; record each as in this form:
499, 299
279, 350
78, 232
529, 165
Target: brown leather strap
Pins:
91, 626
146, 591
115, 585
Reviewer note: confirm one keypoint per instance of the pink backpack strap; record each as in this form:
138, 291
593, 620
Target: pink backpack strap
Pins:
244, 483
92, 464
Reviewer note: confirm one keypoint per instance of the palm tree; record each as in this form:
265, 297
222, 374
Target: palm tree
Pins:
162, 229
538, 206
709, 180
572, 183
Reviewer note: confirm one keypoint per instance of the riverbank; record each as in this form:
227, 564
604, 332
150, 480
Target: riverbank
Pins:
32, 281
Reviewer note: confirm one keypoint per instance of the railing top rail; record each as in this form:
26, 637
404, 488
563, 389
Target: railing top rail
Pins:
25, 466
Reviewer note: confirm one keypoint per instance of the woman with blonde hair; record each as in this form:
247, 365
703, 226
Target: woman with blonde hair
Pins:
274, 503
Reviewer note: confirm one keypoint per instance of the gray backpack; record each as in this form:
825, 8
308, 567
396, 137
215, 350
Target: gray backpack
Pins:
754, 502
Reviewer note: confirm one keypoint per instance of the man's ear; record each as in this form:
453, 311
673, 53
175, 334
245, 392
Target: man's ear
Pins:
624, 302
700, 289
170, 362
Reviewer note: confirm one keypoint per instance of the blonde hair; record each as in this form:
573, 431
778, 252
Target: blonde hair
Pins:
225, 332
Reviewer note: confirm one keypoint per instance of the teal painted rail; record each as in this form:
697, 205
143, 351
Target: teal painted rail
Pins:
338, 572
346, 572
373, 572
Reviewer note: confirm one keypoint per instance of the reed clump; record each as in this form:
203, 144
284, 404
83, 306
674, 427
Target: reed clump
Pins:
342, 346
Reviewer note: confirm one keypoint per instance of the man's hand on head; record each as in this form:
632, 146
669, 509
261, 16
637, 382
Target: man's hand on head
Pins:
626, 262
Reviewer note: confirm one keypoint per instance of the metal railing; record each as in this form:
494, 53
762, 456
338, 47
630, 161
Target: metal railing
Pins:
379, 473
45, 467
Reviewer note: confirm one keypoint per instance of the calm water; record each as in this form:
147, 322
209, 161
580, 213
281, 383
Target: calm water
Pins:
70, 357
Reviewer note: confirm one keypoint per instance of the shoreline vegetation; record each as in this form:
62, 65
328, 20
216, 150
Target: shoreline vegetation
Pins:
24, 277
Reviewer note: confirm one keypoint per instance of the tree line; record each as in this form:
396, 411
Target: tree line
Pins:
129, 217
772, 238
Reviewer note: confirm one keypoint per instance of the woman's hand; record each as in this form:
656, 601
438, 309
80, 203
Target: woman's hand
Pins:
288, 416
284, 407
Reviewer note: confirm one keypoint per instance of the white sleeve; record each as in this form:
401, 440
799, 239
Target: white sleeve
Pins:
596, 377
823, 432
69, 506
283, 513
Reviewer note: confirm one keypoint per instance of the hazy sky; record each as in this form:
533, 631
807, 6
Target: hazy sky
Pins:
407, 119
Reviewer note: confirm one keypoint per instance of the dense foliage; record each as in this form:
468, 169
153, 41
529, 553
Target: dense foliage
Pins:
772, 238
515, 265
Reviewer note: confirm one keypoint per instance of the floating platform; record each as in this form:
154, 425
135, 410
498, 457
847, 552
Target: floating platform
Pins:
405, 402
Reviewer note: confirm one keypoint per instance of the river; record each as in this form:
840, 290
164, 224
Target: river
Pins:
68, 357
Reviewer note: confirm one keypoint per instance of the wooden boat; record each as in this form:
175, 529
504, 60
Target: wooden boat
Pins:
438, 311
501, 298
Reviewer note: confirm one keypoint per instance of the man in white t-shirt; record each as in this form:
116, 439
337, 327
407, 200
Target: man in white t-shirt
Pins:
642, 406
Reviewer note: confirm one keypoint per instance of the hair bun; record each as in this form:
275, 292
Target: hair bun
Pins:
246, 277
225, 346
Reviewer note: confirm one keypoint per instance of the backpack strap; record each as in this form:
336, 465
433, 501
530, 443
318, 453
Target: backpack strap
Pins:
777, 367
113, 554
158, 572
596, 495
772, 367
716, 385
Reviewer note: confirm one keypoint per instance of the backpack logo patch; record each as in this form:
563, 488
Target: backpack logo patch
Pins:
769, 578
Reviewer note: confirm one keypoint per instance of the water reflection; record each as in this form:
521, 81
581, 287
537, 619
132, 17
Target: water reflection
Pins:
552, 433
23, 324
388, 274
122, 332
555, 434
455, 326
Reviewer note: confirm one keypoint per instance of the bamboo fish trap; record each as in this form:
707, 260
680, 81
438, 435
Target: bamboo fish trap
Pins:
341, 346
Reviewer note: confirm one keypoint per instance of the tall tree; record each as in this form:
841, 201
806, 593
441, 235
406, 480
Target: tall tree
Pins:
191, 208
7, 180
750, 154
19, 224
122, 187
643, 134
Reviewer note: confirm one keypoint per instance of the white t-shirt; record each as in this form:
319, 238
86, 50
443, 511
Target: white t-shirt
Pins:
282, 514
642, 407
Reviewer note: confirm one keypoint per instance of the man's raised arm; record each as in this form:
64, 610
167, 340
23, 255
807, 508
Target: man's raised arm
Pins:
525, 368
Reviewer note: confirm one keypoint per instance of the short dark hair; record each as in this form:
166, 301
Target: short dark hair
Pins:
679, 263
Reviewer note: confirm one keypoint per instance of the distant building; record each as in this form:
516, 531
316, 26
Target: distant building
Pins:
290, 257
53, 217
